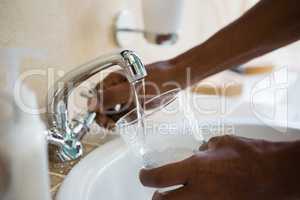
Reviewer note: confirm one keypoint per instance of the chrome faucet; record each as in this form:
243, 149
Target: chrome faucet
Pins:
66, 134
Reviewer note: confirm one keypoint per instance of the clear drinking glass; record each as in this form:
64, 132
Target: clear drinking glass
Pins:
170, 130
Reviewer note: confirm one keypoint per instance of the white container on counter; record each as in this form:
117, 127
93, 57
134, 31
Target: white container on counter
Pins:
23, 145
24, 148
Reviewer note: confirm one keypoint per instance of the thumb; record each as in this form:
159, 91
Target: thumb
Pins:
108, 98
168, 175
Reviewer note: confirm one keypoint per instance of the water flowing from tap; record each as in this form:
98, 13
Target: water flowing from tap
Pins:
138, 88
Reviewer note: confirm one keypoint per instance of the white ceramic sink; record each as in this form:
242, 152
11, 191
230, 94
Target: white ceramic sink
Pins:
111, 172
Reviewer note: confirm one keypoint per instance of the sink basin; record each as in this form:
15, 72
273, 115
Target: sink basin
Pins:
111, 172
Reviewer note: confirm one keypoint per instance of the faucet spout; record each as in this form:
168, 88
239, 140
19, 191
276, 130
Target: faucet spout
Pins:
61, 132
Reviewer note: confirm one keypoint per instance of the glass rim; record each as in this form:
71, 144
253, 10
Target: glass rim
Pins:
120, 123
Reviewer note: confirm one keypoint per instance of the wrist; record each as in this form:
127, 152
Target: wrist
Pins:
162, 76
198, 63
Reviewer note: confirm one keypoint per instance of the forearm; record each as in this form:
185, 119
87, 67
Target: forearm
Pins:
269, 25
283, 164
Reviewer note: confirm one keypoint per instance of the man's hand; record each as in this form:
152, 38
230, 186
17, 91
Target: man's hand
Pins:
115, 90
227, 168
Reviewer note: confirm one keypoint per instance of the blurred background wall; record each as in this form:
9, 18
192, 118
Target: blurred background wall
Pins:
71, 32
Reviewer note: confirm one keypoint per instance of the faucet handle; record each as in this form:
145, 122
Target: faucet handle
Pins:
82, 124
66, 145
70, 147
73, 147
